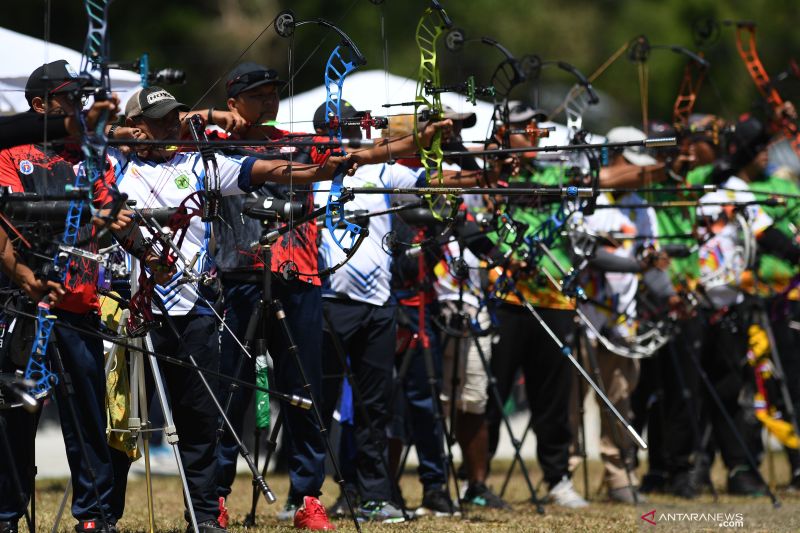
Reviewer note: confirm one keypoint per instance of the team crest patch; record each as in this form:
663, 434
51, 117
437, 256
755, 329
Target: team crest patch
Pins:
182, 182
26, 167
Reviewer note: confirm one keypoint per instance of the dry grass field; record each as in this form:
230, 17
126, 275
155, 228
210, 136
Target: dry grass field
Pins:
757, 513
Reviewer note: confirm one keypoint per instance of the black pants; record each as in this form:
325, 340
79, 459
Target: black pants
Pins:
302, 304
524, 344
82, 355
368, 335
724, 358
660, 403
193, 410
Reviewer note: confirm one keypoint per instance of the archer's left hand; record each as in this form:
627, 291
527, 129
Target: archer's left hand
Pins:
430, 129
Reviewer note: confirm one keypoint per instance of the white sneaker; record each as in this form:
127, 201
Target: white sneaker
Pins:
565, 495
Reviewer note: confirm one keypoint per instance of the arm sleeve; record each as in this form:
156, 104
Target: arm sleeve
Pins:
101, 188
234, 174
608, 262
774, 242
8, 172
28, 128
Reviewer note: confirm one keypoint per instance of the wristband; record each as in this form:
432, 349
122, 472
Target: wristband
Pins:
210, 118
111, 131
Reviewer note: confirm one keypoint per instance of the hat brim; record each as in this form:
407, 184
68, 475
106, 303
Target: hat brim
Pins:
468, 119
67, 87
161, 109
640, 160
258, 84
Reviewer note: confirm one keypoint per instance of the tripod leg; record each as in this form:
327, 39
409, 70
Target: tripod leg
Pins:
250, 334
517, 444
439, 419
170, 432
455, 383
272, 443
580, 339
731, 425
280, 315
250, 519
140, 385
62, 506
567, 352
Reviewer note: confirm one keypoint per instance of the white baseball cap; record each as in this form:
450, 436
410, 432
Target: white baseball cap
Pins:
635, 155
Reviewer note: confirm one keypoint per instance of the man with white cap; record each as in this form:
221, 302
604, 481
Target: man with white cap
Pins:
628, 167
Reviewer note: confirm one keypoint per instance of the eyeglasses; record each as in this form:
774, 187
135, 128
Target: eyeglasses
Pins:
254, 77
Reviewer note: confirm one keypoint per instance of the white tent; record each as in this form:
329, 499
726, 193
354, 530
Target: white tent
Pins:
22, 54
368, 91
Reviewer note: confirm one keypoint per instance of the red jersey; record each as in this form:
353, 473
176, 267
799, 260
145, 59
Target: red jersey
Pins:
235, 237
27, 168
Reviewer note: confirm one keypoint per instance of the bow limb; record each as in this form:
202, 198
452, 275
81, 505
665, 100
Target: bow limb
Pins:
430, 27
94, 75
749, 53
344, 59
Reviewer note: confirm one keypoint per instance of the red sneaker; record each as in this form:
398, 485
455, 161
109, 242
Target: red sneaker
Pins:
222, 519
311, 515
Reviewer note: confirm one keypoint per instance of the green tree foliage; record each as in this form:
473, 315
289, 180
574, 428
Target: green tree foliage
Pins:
207, 37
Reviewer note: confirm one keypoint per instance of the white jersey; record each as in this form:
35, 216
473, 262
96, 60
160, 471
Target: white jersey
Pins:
167, 185
366, 276
722, 257
615, 288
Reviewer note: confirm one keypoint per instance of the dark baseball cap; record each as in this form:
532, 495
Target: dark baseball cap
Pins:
348, 111
248, 76
153, 102
52, 78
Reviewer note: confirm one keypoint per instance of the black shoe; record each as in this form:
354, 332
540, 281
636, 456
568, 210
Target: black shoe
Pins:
437, 503
482, 496
340, 509
794, 484
653, 483
207, 526
95, 526
9, 527
684, 485
744, 482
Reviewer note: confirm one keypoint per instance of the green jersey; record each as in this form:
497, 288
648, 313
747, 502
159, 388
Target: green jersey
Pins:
775, 273
537, 289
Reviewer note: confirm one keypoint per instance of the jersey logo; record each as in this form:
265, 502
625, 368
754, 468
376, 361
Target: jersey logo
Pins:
26, 167
182, 182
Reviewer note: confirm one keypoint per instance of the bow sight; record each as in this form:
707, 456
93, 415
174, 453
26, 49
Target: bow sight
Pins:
141, 65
